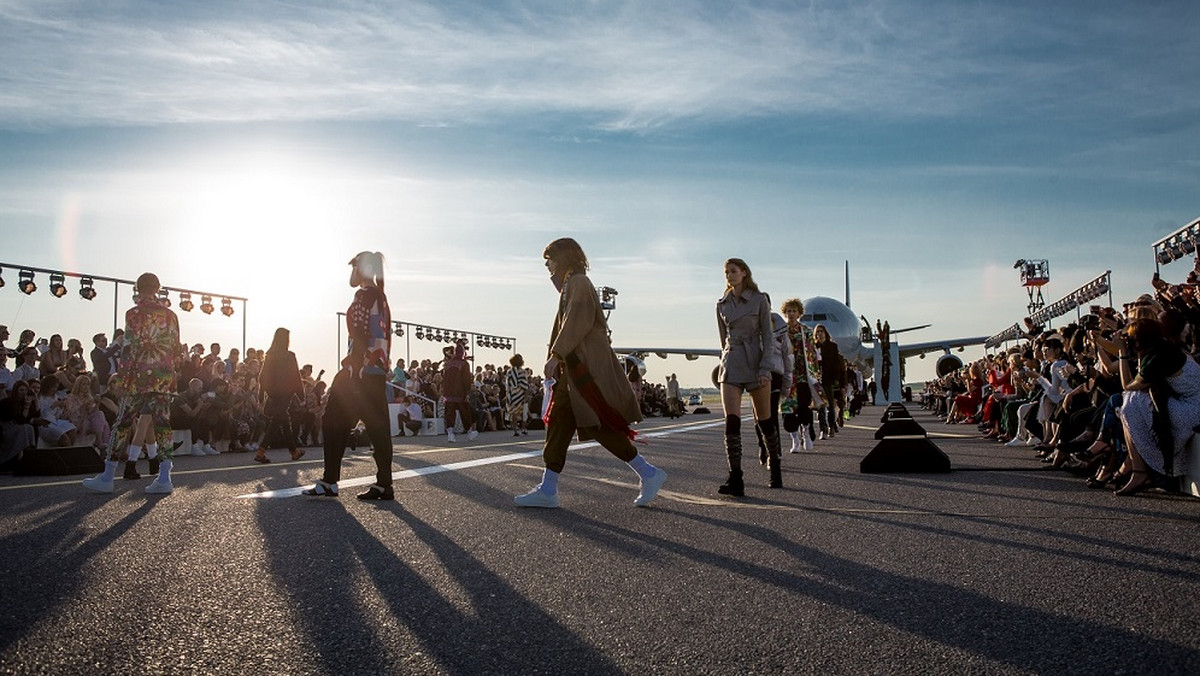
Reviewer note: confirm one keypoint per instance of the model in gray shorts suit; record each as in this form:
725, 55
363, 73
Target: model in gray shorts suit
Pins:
744, 322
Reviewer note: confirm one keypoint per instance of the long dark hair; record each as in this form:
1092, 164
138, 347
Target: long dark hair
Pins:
567, 253
280, 342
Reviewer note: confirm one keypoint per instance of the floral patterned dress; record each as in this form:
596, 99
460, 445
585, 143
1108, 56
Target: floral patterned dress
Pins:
808, 366
146, 373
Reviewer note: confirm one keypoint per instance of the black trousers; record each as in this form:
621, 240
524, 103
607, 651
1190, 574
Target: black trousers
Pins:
562, 429
279, 424
352, 399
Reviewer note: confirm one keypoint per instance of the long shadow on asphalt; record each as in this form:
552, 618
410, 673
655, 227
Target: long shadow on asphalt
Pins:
504, 632
1026, 638
63, 574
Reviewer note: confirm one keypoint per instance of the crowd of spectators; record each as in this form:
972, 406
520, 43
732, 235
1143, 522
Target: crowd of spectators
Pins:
55, 395
420, 382
1114, 396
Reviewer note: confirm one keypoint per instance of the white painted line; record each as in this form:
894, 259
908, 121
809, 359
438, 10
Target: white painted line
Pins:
455, 466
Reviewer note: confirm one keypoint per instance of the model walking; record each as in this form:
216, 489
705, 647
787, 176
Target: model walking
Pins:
359, 390
744, 324
805, 392
146, 380
590, 394
280, 379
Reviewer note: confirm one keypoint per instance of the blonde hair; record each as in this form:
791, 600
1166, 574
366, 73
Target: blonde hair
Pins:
370, 267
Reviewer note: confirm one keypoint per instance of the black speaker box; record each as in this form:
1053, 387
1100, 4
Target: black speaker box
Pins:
900, 427
905, 455
60, 461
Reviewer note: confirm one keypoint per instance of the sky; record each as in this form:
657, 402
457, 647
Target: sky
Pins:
252, 148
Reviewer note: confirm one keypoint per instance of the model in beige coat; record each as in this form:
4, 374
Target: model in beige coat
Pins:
591, 395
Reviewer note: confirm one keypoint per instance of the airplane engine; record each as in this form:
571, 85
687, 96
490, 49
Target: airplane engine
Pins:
947, 363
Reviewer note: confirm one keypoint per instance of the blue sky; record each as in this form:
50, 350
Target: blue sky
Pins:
253, 147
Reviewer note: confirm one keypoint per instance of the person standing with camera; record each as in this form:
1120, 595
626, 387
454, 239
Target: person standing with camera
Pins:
359, 390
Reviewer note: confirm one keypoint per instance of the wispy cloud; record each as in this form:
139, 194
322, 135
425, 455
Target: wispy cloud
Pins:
616, 65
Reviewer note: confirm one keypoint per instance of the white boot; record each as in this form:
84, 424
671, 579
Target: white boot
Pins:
161, 483
102, 482
450, 436
808, 440
795, 442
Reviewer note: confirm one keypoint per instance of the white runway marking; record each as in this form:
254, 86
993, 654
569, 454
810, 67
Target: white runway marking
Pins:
466, 464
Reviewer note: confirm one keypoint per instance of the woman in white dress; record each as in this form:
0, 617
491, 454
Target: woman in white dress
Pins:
1167, 380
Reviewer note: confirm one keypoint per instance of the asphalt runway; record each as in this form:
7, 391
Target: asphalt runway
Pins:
998, 567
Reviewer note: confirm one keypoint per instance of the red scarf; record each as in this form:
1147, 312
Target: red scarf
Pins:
583, 381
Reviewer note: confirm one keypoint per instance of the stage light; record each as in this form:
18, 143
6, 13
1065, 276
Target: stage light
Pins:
25, 284
399, 331
86, 290
185, 301
206, 305
226, 307
164, 297
420, 333
57, 288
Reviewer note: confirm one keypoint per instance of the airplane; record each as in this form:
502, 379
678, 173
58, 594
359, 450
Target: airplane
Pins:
858, 343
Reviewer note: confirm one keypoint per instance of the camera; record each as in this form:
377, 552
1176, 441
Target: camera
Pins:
1090, 322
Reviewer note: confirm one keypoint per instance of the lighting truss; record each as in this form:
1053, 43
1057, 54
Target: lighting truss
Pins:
1179, 244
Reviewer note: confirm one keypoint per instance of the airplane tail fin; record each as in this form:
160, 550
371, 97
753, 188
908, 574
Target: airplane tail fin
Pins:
847, 283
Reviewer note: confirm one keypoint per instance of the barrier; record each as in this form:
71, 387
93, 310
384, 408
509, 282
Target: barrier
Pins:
904, 446
63, 461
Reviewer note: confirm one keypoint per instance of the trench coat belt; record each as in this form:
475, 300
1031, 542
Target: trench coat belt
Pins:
741, 340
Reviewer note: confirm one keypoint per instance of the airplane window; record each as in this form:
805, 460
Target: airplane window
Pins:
819, 317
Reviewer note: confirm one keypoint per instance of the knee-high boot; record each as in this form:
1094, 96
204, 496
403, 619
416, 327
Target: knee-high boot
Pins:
733, 452
770, 435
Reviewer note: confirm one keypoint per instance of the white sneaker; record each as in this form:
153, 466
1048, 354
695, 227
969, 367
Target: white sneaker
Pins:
472, 435
808, 442
183, 450
795, 444
158, 486
211, 450
649, 489
536, 498
1015, 442
450, 437
98, 484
